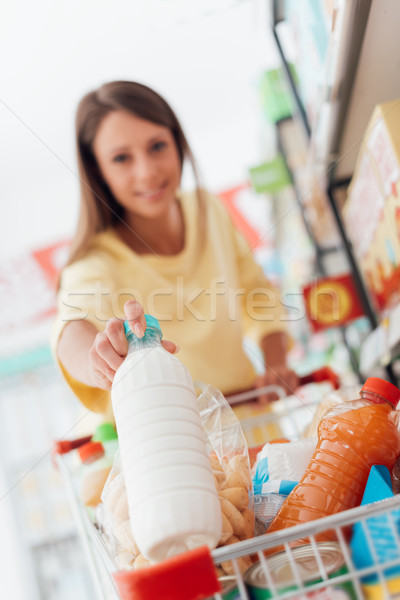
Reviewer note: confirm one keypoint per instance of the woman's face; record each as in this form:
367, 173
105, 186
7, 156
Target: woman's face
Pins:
139, 161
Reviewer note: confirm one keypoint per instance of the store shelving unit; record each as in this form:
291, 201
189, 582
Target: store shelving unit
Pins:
322, 254
325, 117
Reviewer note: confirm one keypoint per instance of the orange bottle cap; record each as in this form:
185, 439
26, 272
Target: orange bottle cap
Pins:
379, 386
91, 451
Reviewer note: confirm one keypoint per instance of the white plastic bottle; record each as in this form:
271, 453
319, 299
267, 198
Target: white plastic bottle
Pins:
173, 503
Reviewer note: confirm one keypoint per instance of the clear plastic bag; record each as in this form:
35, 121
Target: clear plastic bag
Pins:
343, 394
230, 463
116, 524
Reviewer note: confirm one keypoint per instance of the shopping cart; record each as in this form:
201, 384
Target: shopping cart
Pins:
319, 570
289, 416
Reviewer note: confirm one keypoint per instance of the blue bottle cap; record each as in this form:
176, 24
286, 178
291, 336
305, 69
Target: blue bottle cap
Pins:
151, 322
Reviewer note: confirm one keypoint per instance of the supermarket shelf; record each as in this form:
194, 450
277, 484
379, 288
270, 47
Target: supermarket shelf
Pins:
343, 66
369, 312
361, 290
289, 75
321, 251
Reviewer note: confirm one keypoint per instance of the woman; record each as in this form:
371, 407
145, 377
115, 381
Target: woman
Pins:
141, 242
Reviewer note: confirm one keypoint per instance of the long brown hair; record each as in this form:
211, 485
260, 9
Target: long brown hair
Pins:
98, 207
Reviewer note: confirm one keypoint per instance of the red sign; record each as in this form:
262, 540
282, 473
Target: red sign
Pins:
52, 259
28, 287
229, 197
332, 302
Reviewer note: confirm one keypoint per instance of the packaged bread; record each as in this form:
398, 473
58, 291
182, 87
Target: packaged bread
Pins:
230, 464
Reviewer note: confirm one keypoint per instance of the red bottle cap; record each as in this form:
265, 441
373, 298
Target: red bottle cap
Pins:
91, 451
379, 386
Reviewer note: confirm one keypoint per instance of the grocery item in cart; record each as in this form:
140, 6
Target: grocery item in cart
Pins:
395, 477
266, 505
381, 591
282, 461
172, 500
230, 463
107, 435
115, 519
281, 573
116, 525
230, 590
278, 468
96, 467
175, 579
352, 437
376, 540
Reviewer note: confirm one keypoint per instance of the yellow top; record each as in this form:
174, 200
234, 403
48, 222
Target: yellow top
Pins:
207, 297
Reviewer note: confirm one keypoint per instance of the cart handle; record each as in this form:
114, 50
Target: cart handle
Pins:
187, 576
317, 376
320, 375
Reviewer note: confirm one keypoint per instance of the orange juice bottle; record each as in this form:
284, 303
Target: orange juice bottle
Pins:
352, 437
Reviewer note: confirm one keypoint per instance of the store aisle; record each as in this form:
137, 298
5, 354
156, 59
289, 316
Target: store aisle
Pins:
205, 60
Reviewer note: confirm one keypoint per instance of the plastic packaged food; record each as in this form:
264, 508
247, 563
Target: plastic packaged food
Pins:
352, 437
172, 500
229, 458
282, 461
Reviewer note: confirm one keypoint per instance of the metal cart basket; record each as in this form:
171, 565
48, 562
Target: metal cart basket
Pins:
319, 570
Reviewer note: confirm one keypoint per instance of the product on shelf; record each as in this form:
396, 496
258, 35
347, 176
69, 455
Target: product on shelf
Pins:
317, 208
372, 209
352, 437
310, 26
172, 500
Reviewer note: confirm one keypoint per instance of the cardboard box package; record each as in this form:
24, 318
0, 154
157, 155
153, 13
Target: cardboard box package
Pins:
372, 209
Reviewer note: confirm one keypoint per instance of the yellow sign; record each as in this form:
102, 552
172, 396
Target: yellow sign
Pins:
332, 302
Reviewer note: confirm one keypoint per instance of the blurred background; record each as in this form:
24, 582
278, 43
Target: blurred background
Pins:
204, 56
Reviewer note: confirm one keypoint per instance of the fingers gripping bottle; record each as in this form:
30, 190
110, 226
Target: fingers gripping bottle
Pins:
172, 499
352, 437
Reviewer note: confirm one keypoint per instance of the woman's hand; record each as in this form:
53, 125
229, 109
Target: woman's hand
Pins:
278, 375
110, 346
